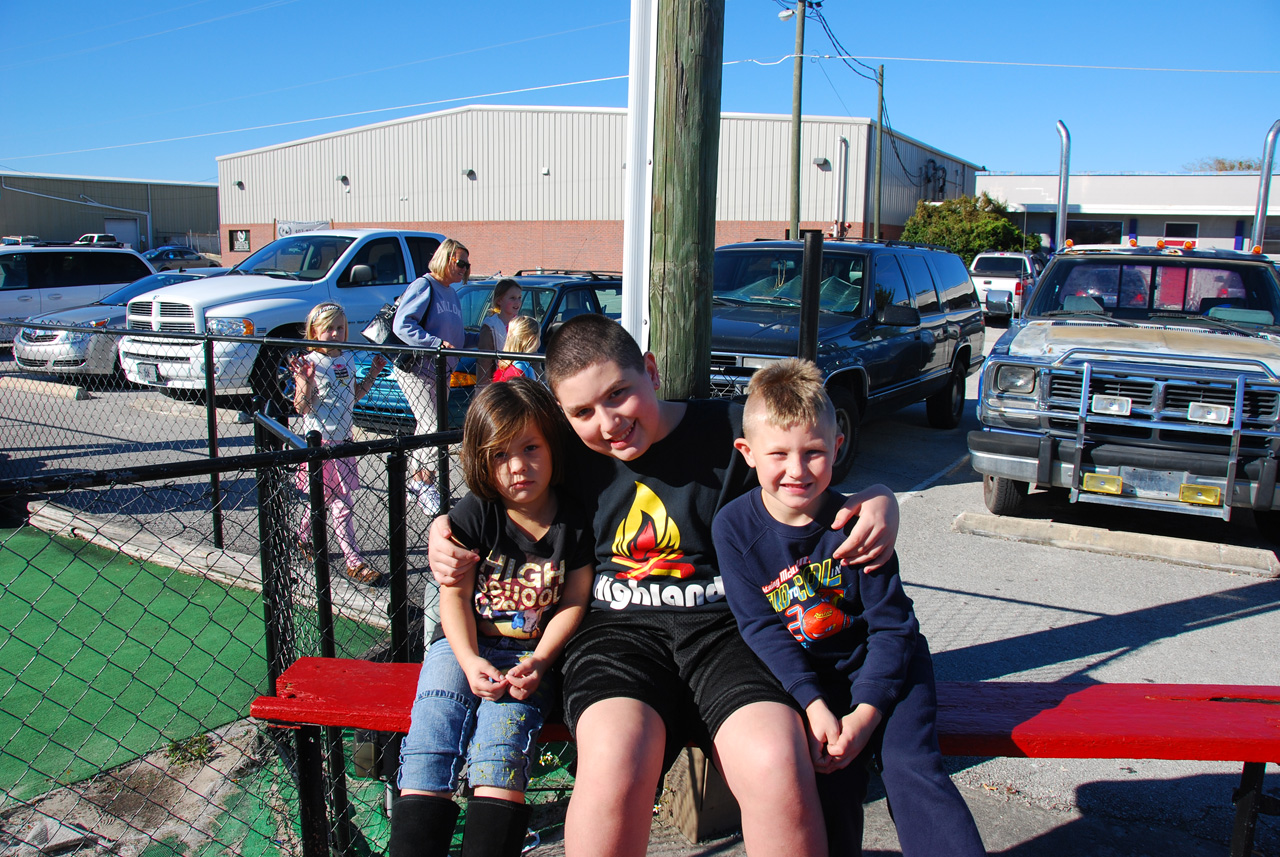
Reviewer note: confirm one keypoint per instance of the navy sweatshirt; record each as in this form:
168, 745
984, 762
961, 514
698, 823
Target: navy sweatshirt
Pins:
815, 623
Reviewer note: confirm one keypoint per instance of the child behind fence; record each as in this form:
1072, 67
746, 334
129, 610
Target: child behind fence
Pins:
522, 338
325, 394
483, 691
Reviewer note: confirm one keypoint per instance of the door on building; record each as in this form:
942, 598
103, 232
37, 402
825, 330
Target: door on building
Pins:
125, 229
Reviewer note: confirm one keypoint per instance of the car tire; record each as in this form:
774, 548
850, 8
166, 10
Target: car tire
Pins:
271, 379
848, 423
1004, 496
946, 407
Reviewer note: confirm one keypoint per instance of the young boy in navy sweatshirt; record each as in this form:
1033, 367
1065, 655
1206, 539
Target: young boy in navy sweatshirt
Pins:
844, 643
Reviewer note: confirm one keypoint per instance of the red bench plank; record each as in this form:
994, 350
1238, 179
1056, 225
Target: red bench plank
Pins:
1237, 723
352, 693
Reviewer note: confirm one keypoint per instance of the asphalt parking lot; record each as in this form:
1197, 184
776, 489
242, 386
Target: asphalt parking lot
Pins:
1001, 608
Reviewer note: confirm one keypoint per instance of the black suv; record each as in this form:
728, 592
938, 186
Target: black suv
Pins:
899, 323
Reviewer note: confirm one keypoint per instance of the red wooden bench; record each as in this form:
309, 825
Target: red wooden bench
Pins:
1222, 723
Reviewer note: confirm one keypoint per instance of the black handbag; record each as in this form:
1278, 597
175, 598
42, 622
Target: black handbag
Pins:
381, 331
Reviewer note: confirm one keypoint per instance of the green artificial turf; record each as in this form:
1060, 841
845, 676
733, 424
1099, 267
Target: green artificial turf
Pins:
104, 658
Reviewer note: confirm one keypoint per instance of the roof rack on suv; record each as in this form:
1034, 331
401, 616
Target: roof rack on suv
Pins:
558, 272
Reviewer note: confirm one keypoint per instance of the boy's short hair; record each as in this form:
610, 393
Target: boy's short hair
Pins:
586, 340
789, 393
495, 417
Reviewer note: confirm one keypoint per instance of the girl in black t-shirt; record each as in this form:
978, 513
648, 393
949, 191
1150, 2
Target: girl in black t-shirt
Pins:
482, 693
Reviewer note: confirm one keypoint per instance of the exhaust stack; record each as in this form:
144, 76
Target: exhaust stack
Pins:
1060, 237
1264, 186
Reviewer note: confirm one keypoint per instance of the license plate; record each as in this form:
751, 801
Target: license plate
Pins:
150, 372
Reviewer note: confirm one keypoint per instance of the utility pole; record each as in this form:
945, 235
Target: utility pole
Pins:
875, 216
796, 88
686, 148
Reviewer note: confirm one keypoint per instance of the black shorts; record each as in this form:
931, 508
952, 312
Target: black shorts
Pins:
692, 668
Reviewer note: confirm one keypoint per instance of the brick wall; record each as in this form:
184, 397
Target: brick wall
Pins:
584, 245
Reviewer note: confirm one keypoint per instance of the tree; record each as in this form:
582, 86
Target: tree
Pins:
1225, 165
966, 226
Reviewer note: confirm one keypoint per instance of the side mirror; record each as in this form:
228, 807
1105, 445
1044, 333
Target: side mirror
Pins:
895, 315
999, 302
361, 274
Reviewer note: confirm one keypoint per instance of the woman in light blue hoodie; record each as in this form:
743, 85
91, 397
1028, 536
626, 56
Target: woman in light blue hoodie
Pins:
429, 315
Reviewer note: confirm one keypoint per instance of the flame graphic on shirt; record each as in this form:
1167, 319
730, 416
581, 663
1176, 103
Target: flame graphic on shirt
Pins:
648, 540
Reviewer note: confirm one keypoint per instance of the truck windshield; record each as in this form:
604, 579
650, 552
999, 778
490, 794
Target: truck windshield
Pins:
762, 276
1144, 288
298, 257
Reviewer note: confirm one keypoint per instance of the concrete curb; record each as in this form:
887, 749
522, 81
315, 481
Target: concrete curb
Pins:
1222, 557
43, 388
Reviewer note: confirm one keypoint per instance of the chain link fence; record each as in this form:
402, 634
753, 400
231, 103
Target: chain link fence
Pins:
164, 557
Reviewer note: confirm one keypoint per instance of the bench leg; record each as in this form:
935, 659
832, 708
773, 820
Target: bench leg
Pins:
311, 798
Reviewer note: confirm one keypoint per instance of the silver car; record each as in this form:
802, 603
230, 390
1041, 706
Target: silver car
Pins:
82, 351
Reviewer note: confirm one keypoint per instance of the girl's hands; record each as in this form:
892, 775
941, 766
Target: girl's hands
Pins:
379, 363
304, 371
525, 676
486, 680
870, 542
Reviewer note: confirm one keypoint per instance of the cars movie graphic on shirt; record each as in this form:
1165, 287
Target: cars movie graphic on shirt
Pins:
810, 595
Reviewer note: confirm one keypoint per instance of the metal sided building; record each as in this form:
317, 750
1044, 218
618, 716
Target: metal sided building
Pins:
142, 214
1212, 210
528, 187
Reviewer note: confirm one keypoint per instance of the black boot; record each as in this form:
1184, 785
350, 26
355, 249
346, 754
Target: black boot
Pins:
494, 827
421, 826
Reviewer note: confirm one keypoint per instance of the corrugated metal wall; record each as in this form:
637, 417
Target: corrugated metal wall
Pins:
550, 164
61, 208
415, 170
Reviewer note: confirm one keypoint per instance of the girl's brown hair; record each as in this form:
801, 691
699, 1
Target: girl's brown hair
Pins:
500, 290
496, 415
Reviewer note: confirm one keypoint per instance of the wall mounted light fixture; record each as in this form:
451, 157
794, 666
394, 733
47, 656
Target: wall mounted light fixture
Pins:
546, 171
469, 173
822, 163
239, 184
344, 180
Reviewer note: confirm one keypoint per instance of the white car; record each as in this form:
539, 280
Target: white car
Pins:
87, 350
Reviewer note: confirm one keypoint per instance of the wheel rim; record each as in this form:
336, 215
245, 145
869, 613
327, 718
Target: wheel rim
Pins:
844, 426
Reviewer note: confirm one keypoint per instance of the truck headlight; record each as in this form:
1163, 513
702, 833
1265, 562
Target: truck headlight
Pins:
228, 326
1020, 380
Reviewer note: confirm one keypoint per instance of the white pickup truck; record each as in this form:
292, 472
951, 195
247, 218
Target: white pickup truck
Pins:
996, 271
268, 295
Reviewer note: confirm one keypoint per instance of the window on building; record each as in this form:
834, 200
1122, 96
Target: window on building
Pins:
1181, 231
1094, 231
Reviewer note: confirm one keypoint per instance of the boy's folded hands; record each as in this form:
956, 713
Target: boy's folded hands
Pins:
834, 743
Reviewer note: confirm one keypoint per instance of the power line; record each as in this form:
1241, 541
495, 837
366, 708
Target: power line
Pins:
319, 118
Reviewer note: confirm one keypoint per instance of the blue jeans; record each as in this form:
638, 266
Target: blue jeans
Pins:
451, 727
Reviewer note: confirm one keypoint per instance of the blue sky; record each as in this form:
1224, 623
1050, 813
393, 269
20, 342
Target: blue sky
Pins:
1143, 87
